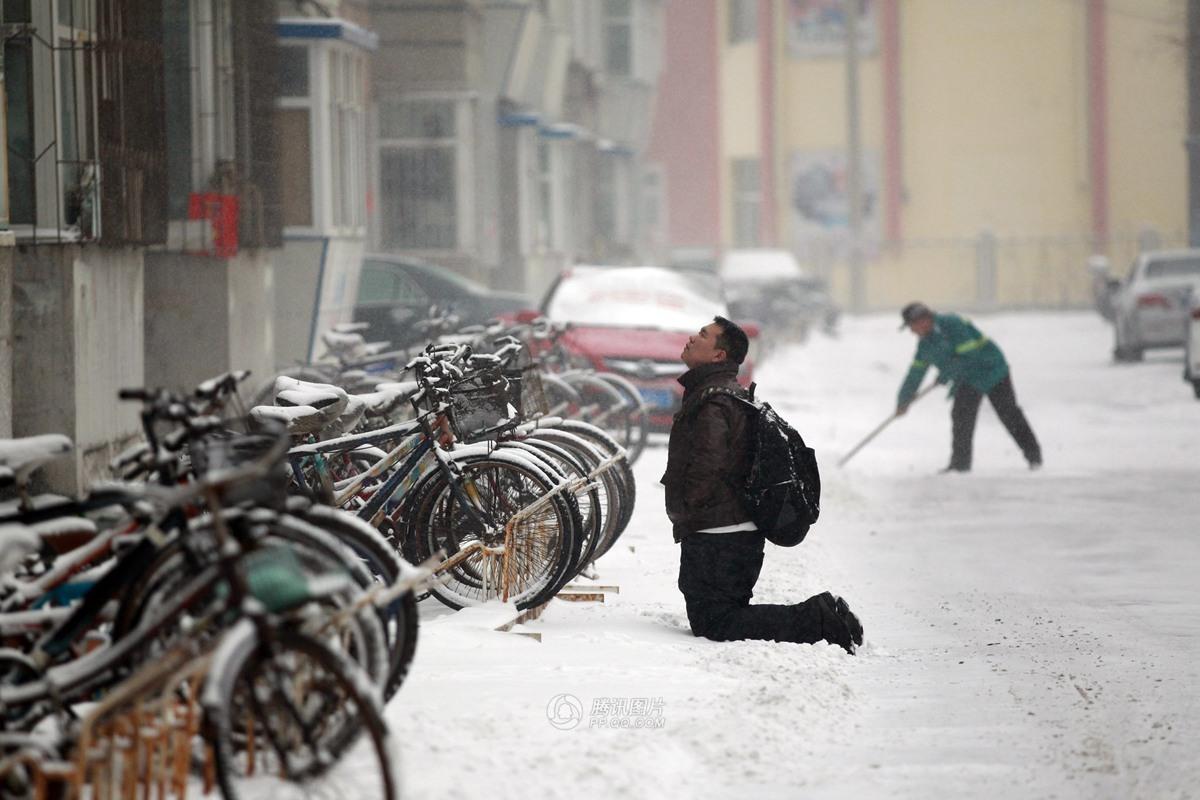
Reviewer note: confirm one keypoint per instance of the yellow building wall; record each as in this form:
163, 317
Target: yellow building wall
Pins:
1147, 122
994, 112
741, 116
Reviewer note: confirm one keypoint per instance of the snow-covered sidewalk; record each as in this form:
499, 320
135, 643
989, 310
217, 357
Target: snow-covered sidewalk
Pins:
1028, 634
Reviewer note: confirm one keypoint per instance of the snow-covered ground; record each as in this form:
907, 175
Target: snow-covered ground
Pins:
1028, 634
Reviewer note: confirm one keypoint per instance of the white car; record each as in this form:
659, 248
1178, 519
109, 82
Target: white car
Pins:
771, 287
1152, 306
1191, 355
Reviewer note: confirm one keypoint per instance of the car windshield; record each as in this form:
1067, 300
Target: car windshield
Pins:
630, 297
1173, 268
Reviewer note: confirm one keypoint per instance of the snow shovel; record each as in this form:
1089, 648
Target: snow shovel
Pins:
882, 425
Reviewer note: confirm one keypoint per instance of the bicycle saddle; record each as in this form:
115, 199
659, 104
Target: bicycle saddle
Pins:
23, 456
297, 419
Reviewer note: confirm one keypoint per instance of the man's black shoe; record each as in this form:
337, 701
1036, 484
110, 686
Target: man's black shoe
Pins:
834, 628
1035, 464
850, 618
952, 469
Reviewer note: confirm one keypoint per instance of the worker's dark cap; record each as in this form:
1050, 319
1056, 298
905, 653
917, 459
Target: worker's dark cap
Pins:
913, 312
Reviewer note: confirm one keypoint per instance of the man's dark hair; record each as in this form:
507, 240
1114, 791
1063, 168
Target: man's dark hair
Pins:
732, 339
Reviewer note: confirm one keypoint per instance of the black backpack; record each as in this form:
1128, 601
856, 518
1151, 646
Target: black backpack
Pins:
783, 487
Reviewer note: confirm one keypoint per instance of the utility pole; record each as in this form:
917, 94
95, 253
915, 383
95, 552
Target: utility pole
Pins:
1193, 132
854, 158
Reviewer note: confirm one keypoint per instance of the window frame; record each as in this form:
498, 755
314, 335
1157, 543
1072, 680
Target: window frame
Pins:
305, 103
747, 202
612, 23
460, 143
337, 111
52, 193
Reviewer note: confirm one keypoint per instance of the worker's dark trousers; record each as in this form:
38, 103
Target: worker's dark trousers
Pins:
967, 400
717, 573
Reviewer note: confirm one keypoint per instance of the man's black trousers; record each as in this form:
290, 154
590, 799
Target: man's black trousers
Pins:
967, 400
717, 573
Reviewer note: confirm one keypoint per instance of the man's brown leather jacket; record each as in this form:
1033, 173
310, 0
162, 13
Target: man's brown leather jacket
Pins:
709, 453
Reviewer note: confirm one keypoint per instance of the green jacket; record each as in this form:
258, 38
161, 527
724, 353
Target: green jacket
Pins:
960, 352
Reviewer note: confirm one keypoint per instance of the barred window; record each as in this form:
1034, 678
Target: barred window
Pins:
421, 156
52, 137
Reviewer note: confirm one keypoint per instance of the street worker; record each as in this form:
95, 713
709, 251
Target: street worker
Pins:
721, 549
973, 366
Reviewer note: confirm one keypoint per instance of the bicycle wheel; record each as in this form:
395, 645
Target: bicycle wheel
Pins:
635, 412
529, 566
602, 406
561, 399
590, 498
624, 473
377, 554
364, 638
604, 497
288, 717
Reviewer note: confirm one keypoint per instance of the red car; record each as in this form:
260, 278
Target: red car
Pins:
634, 321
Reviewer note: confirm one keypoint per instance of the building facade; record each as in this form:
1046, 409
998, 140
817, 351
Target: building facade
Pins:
1001, 143
139, 203
511, 135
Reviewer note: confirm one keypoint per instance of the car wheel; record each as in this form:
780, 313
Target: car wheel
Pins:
1127, 355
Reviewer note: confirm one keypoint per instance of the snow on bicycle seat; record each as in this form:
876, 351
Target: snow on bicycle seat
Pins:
283, 382
383, 400
343, 344
23, 456
297, 419
403, 389
17, 543
317, 398
351, 327
355, 408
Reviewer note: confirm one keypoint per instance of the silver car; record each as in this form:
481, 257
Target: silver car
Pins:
1191, 345
1151, 308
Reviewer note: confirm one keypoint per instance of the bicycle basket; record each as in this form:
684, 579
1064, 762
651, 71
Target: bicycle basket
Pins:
483, 404
529, 391
227, 450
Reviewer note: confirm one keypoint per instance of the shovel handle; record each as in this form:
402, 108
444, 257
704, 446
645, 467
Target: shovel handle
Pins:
882, 425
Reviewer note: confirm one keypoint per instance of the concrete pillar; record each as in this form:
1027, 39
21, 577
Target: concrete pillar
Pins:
205, 316
77, 325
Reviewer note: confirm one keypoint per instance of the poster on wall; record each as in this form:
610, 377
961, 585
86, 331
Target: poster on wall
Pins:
817, 28
819, 198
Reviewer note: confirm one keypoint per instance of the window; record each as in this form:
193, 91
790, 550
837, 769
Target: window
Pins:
50, 105
422, 149
347, 110
747, 202
613, 191
293, 72
549, 234
322, 109
743, 20
653, 204
199, 96
618, 36
296, 136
